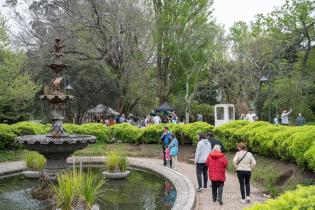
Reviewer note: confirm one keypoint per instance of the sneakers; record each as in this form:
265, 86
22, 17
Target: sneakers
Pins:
220, 202
248, 199
243, 201
200, 189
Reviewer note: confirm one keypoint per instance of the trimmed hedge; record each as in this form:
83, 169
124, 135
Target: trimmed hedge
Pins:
124, 132
294, 143
301, 198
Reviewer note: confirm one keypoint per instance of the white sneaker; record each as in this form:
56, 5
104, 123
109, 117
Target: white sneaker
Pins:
243, 201
248, 199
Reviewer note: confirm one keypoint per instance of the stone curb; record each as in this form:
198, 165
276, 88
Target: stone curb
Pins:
12, 167
185, 189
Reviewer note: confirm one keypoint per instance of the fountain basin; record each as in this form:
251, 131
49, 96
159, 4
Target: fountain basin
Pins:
55, 149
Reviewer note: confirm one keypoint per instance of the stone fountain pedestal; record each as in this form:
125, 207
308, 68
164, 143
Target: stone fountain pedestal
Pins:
57, 145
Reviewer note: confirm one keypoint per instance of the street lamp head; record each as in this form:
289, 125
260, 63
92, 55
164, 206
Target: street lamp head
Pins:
263, 79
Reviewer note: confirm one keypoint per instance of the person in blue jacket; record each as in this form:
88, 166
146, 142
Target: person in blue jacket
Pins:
173, 146
166, 138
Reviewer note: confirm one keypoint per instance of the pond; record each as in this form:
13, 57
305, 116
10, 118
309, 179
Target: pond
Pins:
141, 190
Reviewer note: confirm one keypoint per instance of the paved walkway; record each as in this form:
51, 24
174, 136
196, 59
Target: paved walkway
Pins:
231, 194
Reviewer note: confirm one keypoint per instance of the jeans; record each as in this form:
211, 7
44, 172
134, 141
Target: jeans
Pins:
202, 169
217, 190
244, 179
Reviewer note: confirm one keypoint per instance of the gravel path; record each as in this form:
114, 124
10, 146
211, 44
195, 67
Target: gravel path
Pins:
231, 192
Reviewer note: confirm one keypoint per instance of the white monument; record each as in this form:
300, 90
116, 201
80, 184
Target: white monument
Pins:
223, 113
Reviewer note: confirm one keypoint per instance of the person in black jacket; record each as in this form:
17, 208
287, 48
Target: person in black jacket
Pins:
214, 141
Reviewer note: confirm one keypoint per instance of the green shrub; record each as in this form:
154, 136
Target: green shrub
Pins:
30, 128
125, 133
116, 161
309, 156
287, 143
301, 198
7, 137
226, 133
34, 161
151, 134
96, 129
191, 130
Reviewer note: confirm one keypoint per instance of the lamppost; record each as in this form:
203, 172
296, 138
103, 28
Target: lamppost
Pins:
264, 79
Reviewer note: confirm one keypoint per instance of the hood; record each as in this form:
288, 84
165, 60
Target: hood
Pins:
216, 154
205, 141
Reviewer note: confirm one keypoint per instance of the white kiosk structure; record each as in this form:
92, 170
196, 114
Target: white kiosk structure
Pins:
223, 113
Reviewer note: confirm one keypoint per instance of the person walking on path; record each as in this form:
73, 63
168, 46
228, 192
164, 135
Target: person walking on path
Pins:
300, 120
285, 117
202, 151
217, 164
214, 141
173, 146
251, 116
244, 162
166, 137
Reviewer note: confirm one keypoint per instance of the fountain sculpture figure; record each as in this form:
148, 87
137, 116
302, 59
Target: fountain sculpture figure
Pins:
57, 145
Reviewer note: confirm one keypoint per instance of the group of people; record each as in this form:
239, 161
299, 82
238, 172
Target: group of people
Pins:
211, 164
300, 120
250, 116
157, 119
284, 118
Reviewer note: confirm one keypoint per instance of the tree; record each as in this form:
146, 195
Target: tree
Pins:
110, 32
17, 91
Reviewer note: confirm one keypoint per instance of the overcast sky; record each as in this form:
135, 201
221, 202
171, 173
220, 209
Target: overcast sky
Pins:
226, 11
229, 11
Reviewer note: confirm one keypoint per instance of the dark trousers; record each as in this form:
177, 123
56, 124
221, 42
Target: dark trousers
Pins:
165, 162
217, 190
202, 170
244, 179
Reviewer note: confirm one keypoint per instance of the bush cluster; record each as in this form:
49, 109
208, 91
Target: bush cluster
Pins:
124, 132
301, 198
294, 143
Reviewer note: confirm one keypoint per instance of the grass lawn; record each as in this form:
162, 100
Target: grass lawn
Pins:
131, 150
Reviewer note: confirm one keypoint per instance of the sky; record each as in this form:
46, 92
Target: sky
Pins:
229, 11
225, 11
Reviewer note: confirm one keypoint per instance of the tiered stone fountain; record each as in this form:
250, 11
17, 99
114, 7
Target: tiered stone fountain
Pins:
57, 145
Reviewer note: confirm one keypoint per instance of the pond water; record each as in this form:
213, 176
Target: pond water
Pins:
141, 190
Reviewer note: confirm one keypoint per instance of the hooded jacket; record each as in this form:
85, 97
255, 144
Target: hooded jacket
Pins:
217, 164
202, 151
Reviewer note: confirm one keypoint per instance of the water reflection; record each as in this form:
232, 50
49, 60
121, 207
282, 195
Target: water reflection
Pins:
169, 195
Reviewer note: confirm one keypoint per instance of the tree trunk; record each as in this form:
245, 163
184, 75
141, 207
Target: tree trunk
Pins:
305, 59
187, 113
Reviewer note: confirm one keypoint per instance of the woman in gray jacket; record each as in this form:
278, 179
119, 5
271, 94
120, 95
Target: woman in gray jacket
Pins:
244, 162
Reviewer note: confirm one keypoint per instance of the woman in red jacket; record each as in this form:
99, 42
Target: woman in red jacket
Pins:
217, 164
